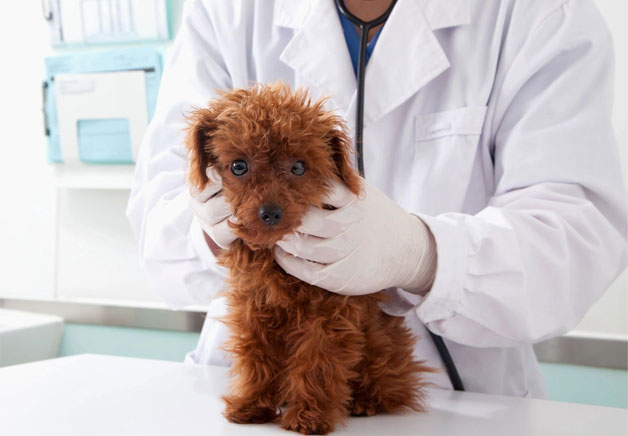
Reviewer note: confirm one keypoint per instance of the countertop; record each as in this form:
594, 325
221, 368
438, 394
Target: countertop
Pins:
104, 395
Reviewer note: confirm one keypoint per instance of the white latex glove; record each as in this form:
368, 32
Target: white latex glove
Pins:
212, 211
367, 244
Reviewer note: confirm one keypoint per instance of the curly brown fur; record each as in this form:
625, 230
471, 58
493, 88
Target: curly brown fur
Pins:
301, 355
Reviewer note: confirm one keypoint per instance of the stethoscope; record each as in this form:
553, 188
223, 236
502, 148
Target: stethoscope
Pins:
365, 27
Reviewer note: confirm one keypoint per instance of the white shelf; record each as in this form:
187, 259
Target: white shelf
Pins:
19, 302
86, 176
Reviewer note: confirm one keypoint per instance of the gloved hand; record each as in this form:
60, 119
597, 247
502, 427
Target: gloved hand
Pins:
212, 211
367, 244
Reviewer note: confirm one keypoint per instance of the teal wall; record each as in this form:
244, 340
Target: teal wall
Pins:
123, 341
588, 385
576, 384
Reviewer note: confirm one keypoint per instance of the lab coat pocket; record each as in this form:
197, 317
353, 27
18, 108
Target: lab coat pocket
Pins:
465, 121
445, 151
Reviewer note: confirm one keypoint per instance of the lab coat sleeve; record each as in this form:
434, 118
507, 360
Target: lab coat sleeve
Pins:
553, 236
177, 261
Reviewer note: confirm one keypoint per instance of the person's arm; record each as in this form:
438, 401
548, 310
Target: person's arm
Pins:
553, 237
173, 249
214, 248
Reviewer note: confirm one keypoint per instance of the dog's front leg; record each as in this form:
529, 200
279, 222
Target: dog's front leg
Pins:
253, 397
316, 388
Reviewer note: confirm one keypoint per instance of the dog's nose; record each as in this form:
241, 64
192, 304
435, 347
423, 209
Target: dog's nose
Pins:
270, 214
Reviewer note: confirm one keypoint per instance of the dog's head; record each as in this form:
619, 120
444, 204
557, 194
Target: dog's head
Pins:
277, 153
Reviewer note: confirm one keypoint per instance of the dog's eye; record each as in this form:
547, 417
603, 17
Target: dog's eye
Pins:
298, 168
239, 167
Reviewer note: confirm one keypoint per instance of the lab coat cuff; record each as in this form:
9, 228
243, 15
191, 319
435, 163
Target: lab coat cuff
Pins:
444, 298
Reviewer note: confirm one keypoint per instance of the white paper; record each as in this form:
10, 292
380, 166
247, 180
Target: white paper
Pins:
107, 21
67, 85
113, 95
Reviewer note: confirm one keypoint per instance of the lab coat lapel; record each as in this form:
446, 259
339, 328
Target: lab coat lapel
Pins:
317, 50
407, 55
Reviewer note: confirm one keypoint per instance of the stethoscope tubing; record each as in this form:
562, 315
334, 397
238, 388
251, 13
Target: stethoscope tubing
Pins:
365, 27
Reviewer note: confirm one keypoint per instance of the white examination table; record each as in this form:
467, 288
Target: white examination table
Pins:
93, 395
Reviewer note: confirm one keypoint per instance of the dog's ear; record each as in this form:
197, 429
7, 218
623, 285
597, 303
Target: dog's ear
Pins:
343, 154
198, 141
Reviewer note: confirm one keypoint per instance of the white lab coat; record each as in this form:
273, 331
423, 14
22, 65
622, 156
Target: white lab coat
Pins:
490, 120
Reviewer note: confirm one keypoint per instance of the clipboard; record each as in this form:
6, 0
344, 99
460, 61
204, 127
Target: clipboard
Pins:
98, 105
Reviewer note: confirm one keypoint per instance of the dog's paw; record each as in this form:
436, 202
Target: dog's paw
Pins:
363, 407
305, 423
242, 413
308, 427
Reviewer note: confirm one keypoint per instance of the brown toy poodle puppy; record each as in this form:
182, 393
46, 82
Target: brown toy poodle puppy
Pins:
301, 355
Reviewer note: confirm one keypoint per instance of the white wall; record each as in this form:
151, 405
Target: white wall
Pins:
97, 253
26, 195
609, 315
97, 250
